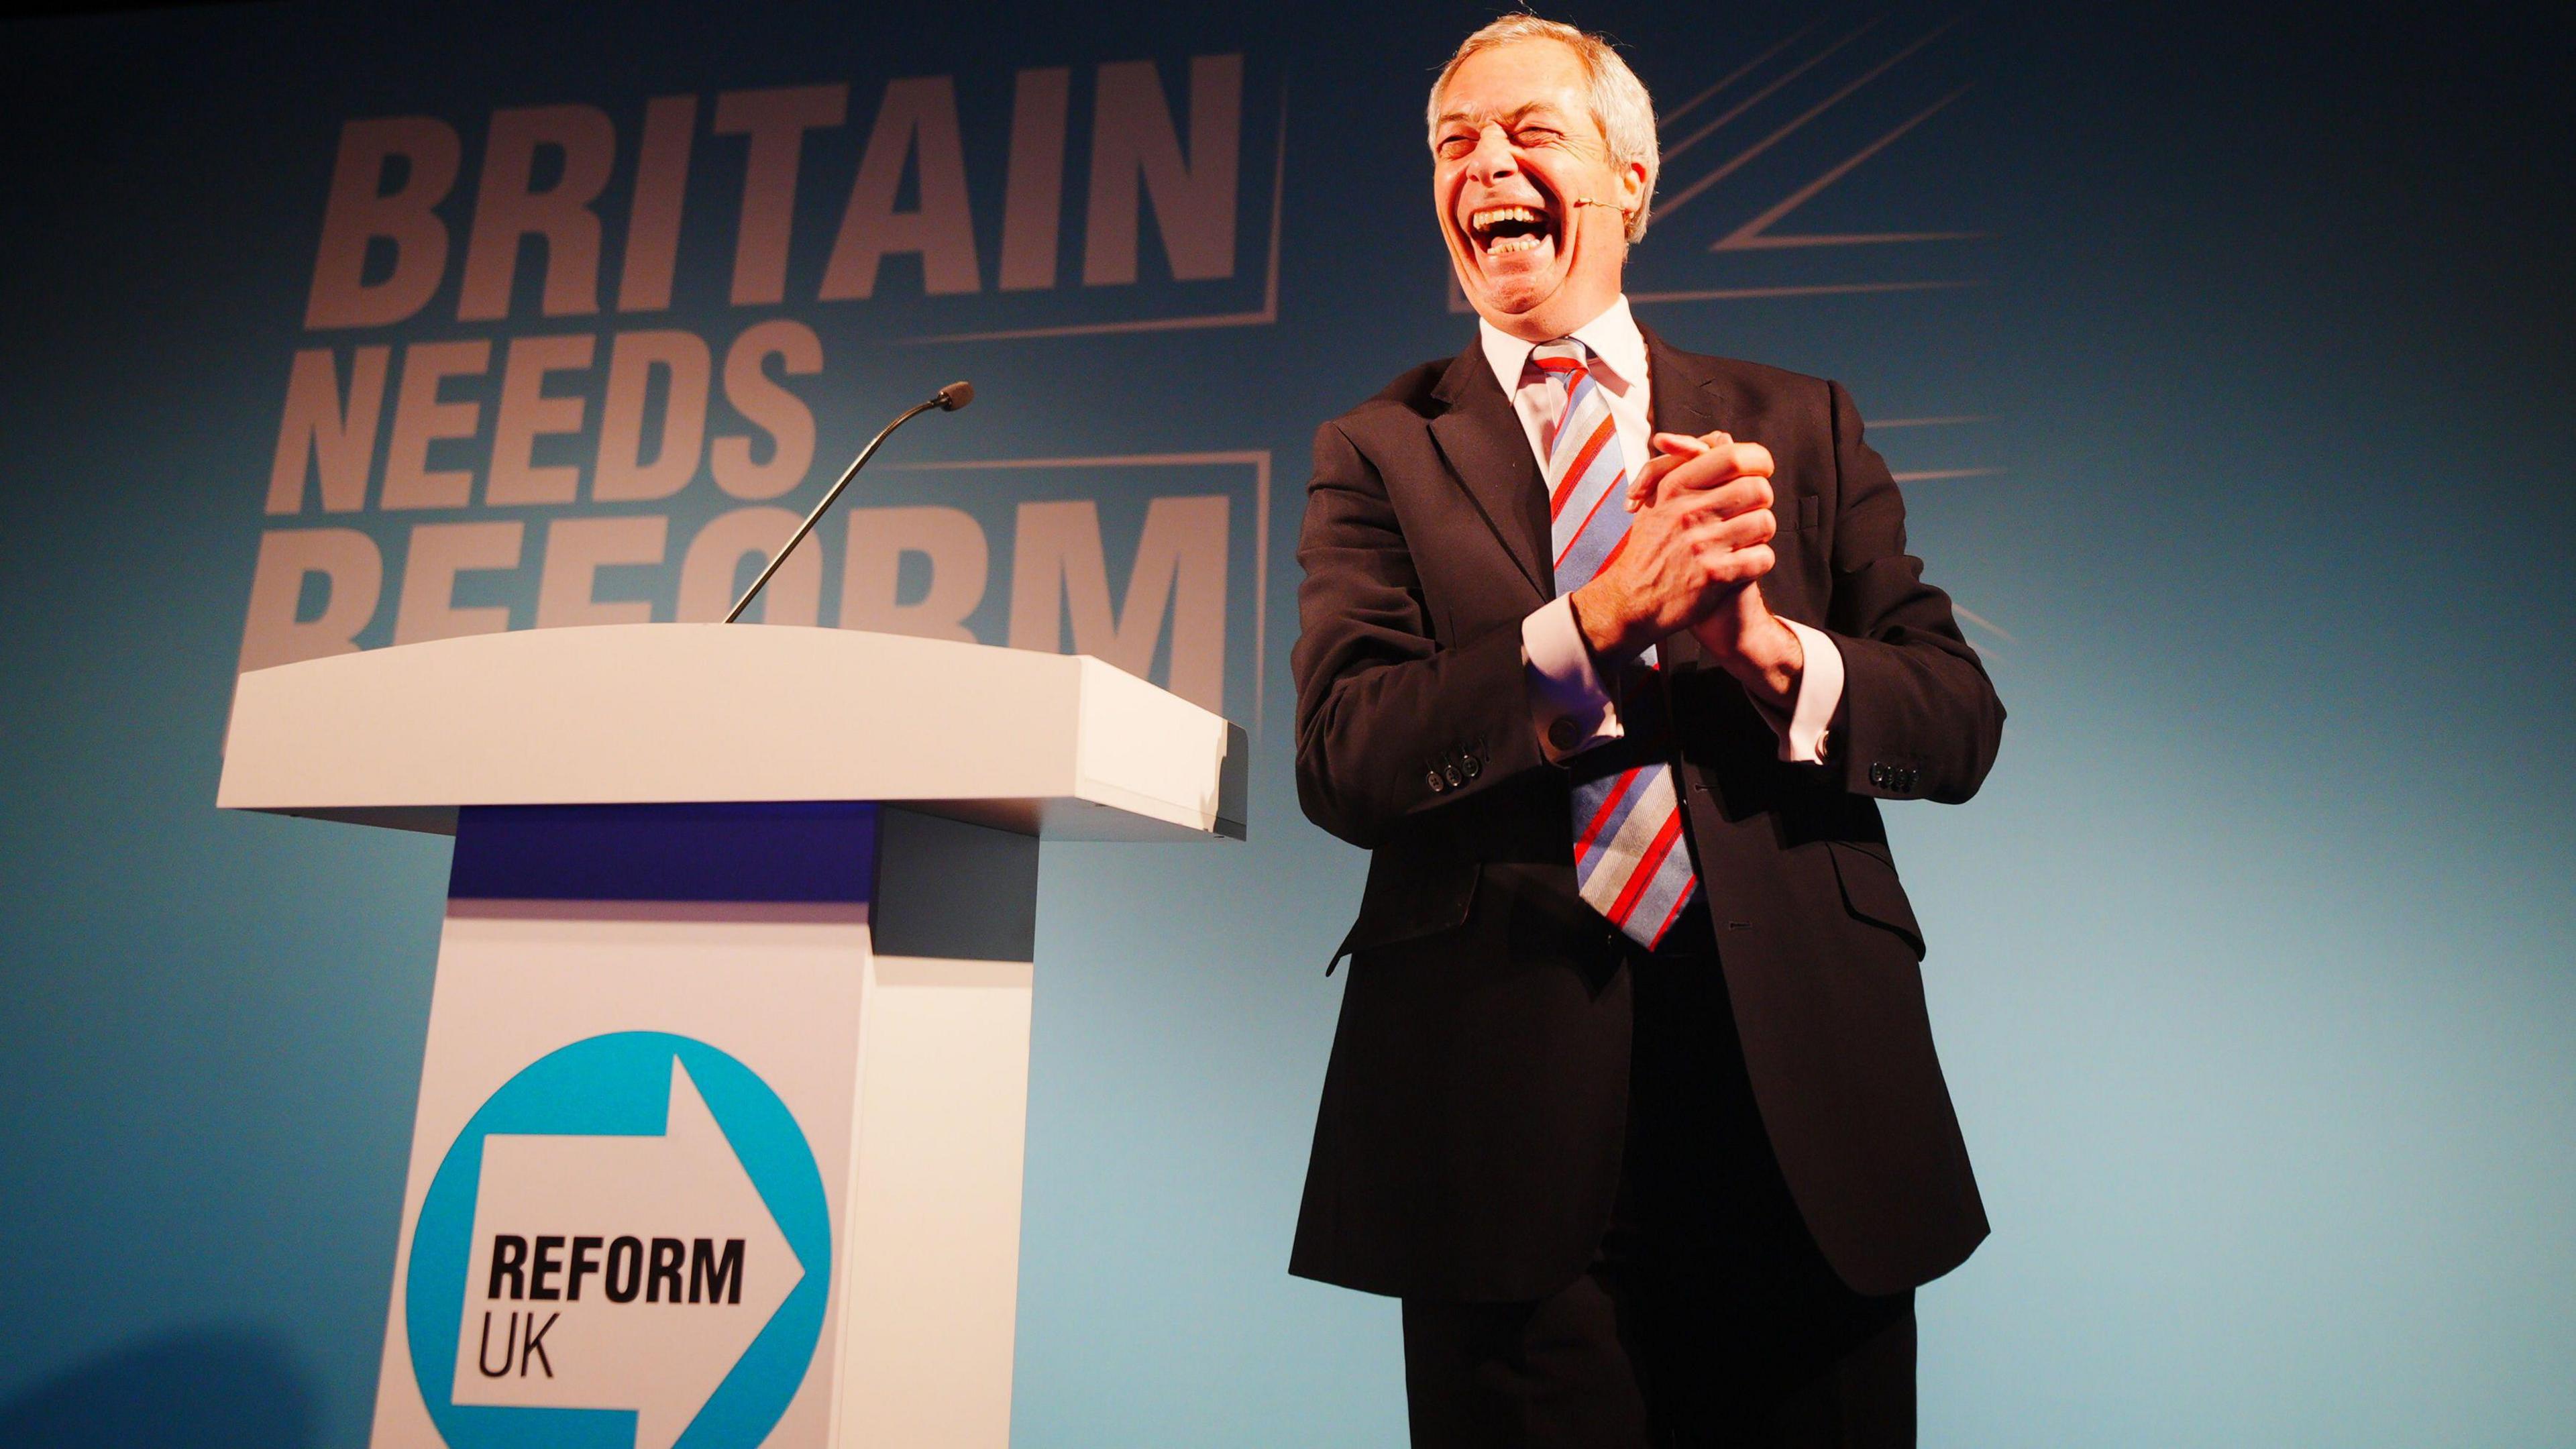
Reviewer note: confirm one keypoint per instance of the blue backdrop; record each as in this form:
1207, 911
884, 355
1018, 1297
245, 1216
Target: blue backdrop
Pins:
2226, 356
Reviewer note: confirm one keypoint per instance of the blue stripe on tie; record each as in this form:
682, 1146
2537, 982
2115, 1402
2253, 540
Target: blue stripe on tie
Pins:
1584, 392
1582, 532
1587, 800
1673, 880
1607, 461
1583, 507
1572, 433
1592, 548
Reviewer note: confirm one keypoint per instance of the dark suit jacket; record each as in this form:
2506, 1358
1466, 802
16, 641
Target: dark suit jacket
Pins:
1467, 1146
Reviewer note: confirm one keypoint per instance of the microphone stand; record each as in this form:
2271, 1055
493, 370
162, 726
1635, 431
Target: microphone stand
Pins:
948, 400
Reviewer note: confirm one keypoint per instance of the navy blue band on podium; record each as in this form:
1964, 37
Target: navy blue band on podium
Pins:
786, 851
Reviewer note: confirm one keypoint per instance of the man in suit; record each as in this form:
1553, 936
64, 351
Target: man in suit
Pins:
1609, 652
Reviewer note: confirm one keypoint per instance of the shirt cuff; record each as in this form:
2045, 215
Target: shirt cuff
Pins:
1572, 710
1801, 727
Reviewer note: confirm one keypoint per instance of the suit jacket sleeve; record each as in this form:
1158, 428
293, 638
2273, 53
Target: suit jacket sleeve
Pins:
1388, 712
1918, 716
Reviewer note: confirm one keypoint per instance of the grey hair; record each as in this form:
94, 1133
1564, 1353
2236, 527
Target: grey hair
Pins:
1620, 105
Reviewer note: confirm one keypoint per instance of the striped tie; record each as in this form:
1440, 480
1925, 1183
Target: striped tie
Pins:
1629, 856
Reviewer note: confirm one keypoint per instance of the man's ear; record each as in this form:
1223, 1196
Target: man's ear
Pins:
1632, 187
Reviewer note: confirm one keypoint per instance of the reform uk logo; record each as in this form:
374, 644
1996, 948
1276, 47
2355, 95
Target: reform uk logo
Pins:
628, 1243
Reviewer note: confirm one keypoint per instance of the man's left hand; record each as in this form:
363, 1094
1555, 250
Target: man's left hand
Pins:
1742, 635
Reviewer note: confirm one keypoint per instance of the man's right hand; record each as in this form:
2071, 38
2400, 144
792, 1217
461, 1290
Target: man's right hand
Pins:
1702, 531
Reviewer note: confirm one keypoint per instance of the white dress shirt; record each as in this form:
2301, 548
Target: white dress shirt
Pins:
1573, 710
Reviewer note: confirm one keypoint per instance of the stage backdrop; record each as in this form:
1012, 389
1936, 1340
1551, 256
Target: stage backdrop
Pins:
2226, 364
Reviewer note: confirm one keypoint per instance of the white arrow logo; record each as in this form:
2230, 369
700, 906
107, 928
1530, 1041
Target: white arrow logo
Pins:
588, 1253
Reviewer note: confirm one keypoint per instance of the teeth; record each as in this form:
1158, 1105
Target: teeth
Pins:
1492, 216
1513, 244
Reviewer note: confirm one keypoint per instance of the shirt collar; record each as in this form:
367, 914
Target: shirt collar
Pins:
1612, 336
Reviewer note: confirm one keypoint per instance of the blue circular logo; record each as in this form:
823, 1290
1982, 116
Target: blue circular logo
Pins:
620, 1085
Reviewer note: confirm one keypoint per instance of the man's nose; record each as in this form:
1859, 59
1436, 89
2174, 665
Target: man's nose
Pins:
1492, 160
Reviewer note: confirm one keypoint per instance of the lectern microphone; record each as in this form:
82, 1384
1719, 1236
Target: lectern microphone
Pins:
947, 400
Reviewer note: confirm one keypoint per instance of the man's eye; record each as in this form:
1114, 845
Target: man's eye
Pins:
1537, 136
1454, 147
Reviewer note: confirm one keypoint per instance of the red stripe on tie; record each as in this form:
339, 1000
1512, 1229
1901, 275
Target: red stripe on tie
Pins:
1582, 462
1586, 525
1614, 548
1583, 842
1647, 865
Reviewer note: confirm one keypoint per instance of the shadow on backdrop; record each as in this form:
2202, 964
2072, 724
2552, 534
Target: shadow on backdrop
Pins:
214, 1387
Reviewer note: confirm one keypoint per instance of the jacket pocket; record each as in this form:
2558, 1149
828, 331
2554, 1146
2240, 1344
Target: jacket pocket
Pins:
1405, 899
1872, 892
1800, 511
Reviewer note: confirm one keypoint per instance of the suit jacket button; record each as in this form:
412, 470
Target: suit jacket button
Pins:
1878, 775
1563, 734
1455, 778
1474, 767
1437, 784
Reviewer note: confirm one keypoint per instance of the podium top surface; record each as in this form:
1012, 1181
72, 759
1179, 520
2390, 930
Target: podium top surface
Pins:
1062, 746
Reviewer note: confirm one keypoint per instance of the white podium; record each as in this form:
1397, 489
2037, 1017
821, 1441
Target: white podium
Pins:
721, 1117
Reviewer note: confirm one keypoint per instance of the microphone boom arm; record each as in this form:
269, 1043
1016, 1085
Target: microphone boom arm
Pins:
950, 398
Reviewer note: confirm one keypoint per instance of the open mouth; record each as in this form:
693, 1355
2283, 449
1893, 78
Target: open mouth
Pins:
1512, 230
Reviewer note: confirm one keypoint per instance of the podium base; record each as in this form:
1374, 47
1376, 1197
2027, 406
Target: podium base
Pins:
720, 1132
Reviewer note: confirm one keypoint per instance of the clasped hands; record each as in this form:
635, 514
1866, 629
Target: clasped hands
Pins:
1699, 541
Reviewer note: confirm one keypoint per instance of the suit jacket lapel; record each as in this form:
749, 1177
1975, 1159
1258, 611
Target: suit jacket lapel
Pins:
1481, 439
1687, 397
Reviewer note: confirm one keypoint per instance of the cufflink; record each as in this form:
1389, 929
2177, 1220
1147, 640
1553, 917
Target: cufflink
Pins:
1563, 733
